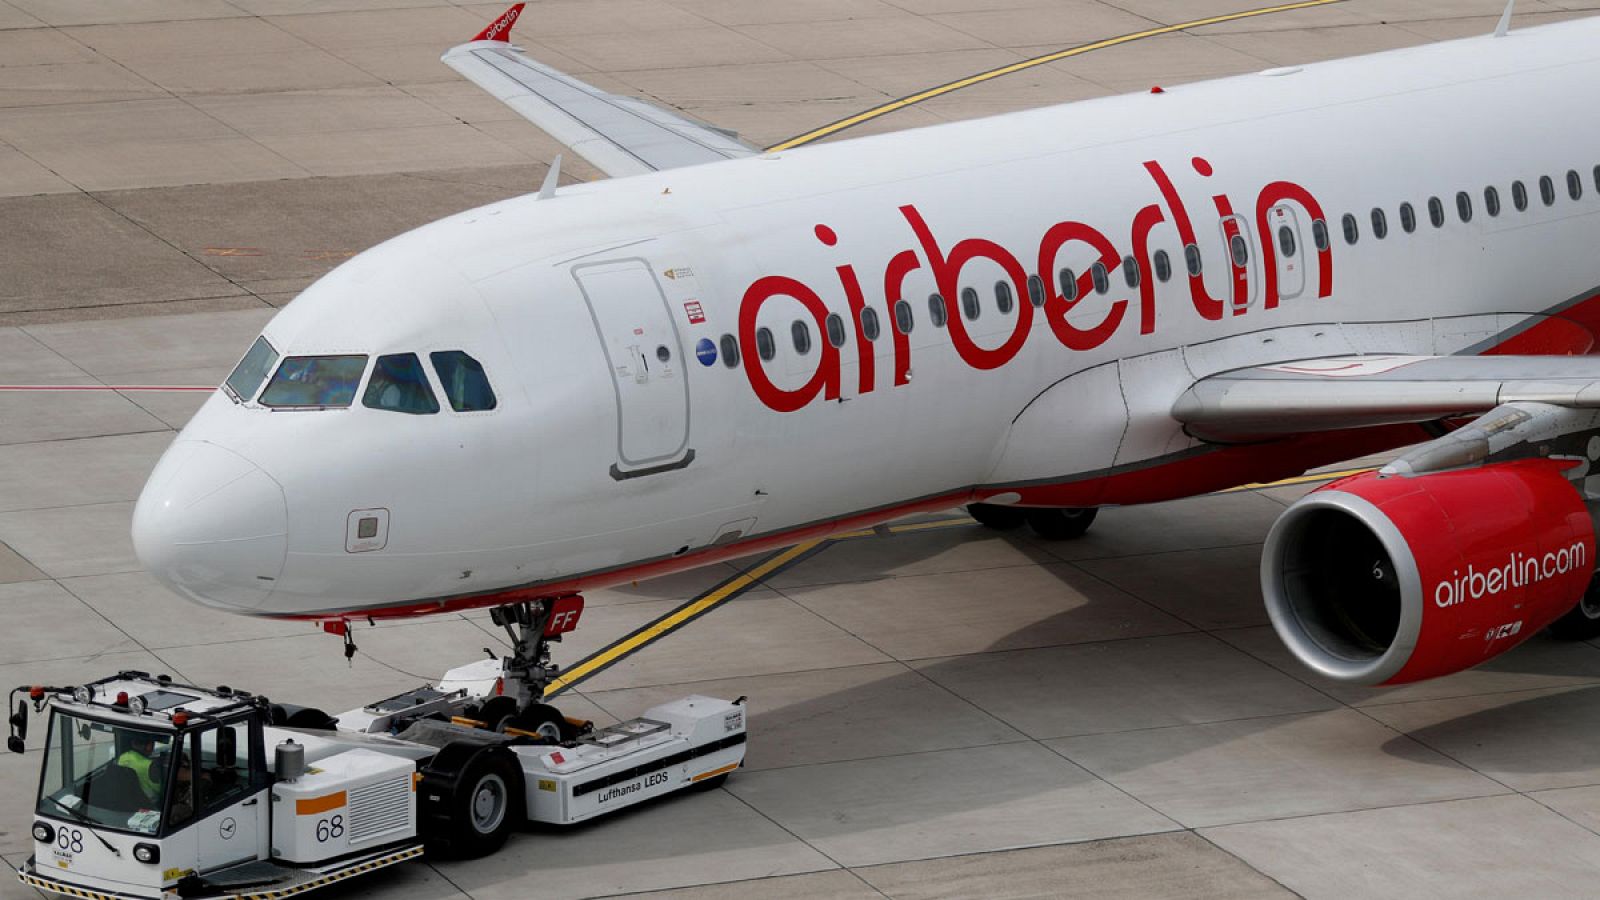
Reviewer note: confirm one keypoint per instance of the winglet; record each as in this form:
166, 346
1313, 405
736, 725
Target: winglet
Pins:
500, 29
1504, 28
551, 179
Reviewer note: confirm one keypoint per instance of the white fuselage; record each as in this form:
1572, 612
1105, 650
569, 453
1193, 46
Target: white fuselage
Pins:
614, 451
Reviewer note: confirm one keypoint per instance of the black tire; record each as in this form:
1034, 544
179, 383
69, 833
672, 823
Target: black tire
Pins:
470, 799
1061, 524
495, 710
1000, 518
542, 719
1582, 622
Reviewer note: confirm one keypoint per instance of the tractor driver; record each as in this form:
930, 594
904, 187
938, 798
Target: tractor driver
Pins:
140, 758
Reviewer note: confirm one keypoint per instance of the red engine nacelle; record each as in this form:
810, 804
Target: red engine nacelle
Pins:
1388, 579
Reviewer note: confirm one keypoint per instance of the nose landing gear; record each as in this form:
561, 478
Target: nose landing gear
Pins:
527, 671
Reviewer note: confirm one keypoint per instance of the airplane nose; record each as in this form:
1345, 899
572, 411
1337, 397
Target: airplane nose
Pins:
212, 525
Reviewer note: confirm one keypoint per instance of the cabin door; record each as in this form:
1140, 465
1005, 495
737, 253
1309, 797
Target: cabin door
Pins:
645, 357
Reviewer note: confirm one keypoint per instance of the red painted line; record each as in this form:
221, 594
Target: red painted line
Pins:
47, 388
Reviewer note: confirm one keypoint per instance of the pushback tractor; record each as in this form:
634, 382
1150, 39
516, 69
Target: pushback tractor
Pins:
154, 789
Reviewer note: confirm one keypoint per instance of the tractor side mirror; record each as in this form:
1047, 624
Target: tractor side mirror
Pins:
227, 747
19, 728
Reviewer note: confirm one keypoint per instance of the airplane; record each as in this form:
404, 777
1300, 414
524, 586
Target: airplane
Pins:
720, 350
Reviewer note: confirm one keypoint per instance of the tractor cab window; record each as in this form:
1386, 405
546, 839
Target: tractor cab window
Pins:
315, 382
398, 384
465, 384
251, 371
106, 775
215, 772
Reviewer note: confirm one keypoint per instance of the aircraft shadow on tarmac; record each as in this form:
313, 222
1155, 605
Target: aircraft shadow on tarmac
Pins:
1526, 715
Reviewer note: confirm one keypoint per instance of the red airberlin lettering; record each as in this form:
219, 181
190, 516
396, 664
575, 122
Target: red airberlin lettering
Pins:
947, 274
1073, 332
826, 379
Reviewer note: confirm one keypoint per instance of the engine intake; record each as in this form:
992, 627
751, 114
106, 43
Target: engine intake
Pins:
1387, 579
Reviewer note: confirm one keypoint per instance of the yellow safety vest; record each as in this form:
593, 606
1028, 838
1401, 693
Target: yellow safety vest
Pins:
140, 764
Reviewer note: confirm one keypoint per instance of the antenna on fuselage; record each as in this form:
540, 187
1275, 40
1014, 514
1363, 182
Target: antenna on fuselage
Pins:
1504, 28
548, 189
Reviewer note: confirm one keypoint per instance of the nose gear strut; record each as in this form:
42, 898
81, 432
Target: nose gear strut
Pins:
532, 625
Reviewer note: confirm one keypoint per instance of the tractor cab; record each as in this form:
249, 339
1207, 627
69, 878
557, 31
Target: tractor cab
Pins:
136, 770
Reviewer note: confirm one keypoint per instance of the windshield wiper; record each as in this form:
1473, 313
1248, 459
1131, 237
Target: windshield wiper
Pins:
86, 821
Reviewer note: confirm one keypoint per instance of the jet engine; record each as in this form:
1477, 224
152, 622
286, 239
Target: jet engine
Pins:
1390, 577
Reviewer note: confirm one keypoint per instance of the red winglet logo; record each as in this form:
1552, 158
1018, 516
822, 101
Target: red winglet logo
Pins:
501, 29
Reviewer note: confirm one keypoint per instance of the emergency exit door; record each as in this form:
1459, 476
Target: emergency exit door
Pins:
645, 358
1284, 226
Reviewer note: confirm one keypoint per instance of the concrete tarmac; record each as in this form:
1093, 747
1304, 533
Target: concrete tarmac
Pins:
951, 712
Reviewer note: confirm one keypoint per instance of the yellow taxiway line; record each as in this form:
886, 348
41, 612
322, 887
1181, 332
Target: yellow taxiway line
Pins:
681, 616
1302, 479
832, 128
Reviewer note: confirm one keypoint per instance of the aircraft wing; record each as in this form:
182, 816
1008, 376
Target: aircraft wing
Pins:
1357, 391
619, 135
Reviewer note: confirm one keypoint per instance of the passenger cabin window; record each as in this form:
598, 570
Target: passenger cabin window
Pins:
1597, 178
315, 382
1191, 259
1547, 190
1380, 224
1574, 185
936, 310
1003, 301
970, 306
1130, 271
1519, 195
1464, 206
1491, 201
398, 384
1408, 218
1239, 250
1069, 284
465, 384
800, 332
903, 318
835, 330
1436, 212
1100, 277
1035, 290
869, 324
252, 370
1319, 235
1352, 230
730, 351
766, 344
1162, 263
1286, 242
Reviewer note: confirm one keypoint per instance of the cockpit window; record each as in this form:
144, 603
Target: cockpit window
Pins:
464, 382
252, 370
398, 384
316, 381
